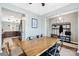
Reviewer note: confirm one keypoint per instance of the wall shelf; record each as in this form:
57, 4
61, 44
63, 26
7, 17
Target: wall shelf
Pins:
55, 29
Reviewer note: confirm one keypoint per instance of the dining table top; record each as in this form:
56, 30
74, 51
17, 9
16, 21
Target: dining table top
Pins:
37, 46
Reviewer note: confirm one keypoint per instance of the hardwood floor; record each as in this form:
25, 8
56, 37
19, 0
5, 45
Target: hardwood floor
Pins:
66, 51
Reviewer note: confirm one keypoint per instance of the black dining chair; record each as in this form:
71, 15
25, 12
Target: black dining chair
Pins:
55, 50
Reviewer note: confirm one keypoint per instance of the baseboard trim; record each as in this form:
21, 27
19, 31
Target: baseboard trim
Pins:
70, 47
72, 42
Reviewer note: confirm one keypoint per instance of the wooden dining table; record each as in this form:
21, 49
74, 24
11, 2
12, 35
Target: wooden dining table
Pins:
36, 47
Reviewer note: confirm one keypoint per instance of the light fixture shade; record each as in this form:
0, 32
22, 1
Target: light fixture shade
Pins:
60, 19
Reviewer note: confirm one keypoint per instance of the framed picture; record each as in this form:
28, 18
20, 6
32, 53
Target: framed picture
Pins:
34, 23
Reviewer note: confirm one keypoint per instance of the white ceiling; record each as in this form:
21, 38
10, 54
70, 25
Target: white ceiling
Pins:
39, 9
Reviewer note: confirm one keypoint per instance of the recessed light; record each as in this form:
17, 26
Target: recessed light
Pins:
43, 4
30, 3
11, 16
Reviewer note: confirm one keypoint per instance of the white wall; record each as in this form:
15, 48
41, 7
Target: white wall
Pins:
78, 30
43, 24
73, 19
27, 28
9, 26
10, 16
29, 31
0, 31
71, 7
13, 22
42, 21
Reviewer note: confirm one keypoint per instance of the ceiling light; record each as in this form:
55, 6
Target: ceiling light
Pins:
11, 16
30, 3
43, 4
60, 18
